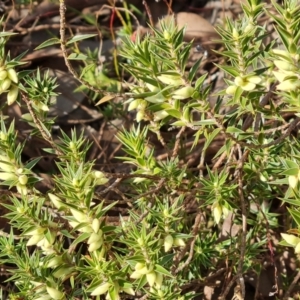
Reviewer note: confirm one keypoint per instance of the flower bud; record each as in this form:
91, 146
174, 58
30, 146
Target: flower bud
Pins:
98, 174
160, 294
128, 291
159, 280
79, 216
27, 117
183, 93
151, 277
87, 228
96, 245
159, 115
35, 239
12, 95
140, 115
101, 289
136, 275
248, 28
22, 189
55, 200
293, 181
174, 80
62, 272
35, 231
142, 104
235, 34
3, 136
3, 74
5, 85
101, 181
12, 75
95, 237
23, 179
167, 35
54, 262
139, 266
168, 242
179, 242
76, 182
96, 225
43, 107
140, 241
54, 293
217, 212
133, 104
225, 211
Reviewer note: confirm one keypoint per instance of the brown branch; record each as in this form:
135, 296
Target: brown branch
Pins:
291, 287
240, 278
63, 44
190, 245
177, 141
46, 136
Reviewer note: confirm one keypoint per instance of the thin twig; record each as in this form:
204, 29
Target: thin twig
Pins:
190, 245
112, 186
204, 282
7, 235
63, 45
148, 13
47, 137
240, 278
177, 141
291, 287
228, 287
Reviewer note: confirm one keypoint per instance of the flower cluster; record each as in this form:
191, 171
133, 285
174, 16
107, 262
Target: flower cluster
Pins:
292, 240
11, 172
8, 83
287, 65
247, 83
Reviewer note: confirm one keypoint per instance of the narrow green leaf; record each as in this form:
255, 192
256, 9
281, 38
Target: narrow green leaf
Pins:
174, 113
211, 137
295, 214
77, 56
5, 34
232, 129
80, 37
194, 70
48, 43
82, 237
230, 70
291, 163
162, 270
291, 172
199, 81
32, 163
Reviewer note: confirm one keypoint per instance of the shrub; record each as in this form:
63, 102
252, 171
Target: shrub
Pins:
60, 244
